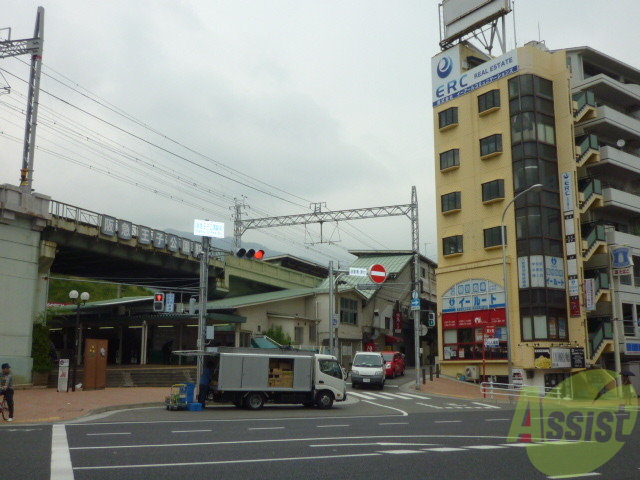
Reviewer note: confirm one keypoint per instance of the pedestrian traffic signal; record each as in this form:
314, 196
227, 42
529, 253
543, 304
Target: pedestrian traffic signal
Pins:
251, 253
158, 302
431, 319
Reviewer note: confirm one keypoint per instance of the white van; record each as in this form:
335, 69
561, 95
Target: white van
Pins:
368, 369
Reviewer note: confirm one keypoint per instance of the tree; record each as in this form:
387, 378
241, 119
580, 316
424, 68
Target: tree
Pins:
41, 346
278, 334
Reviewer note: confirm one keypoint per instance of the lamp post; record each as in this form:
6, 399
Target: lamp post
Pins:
503, 239
77, 299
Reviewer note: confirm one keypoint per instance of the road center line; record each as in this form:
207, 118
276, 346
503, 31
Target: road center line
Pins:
329, 426
61, 467
225, 462
394, 423
498, 419
108, 433
190, 431
578, 475
265, 428
448, 421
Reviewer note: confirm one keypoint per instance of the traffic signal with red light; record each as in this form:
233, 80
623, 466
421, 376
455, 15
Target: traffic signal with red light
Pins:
158, 302
251, 253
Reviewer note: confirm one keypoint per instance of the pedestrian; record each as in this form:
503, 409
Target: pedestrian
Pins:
6, 384
627, 387
205, 379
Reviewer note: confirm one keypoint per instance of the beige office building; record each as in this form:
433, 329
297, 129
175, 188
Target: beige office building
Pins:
502, 125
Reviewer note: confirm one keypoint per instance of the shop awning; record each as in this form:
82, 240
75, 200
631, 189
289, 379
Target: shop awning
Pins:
392, 339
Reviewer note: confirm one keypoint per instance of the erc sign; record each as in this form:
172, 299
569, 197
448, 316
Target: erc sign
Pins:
449, 82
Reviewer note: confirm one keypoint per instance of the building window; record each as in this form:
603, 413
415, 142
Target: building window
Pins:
492, 190
492, 237
450, 201
298, 334
450, 158
452, 245
448, 117
541, 327
488, 101
348, 311
491, 145
313, 329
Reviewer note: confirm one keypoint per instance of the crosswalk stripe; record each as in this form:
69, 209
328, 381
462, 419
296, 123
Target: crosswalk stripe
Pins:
414, 396
386, 396
401, 395
361, 395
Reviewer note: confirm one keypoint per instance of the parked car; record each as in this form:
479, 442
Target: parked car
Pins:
368, 369
394, 363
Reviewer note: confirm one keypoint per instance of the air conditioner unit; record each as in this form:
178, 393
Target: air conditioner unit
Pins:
471, 372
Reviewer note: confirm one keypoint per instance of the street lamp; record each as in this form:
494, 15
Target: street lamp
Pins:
503, 239
83, 297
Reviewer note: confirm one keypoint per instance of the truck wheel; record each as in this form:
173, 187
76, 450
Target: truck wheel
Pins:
254, 401
324, 400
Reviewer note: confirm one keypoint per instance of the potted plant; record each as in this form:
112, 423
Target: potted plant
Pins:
40, 352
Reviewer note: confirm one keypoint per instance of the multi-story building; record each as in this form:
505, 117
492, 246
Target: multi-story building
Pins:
568, 120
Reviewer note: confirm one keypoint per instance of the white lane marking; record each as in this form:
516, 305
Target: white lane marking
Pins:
578, 475
485, 447
498, 419
448, 421
286, 440
521, 444
330, 426
401, 396
265, 428
427, 405
399, 452
443, 449
225, 462
108, 433
382, 444
61, 468
361, 395
190, 431
393, 423
485, 405
404, 414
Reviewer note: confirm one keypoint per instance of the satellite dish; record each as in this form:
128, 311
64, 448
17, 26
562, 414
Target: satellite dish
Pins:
621, 143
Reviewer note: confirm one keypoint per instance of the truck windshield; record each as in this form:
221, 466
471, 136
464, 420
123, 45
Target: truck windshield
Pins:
367, 361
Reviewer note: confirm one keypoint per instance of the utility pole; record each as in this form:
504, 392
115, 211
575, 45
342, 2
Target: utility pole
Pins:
415, 246
202, 314
238, 206
30, 46
332, 306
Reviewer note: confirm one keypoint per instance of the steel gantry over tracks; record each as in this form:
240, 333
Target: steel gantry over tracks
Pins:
318, 216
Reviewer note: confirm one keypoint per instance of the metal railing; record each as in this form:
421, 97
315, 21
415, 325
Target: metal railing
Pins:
603, 333
590, 187
497, 391
585, 98
595, 235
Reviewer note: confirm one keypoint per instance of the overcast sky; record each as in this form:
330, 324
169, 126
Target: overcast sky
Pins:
322, 100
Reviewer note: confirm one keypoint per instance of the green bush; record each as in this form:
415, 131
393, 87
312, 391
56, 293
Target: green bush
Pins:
40, 347
276, 333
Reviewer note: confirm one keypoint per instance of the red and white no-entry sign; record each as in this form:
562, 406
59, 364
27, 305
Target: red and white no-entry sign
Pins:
377, 273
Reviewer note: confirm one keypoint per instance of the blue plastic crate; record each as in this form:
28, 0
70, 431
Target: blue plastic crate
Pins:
194, 407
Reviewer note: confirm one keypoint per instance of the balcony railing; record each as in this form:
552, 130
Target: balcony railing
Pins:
595, 235
597, 338
585, 98
589, 187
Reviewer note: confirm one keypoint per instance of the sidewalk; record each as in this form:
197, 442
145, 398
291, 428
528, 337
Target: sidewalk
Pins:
44, 405
449, 387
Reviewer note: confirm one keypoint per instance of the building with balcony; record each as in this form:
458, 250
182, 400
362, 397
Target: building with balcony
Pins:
606, 94
550, 302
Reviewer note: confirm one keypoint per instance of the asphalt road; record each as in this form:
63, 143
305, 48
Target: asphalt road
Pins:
404, 436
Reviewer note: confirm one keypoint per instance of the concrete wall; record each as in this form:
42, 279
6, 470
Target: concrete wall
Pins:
22, 287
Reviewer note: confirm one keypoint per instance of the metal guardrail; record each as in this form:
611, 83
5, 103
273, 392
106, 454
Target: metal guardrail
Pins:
496, 391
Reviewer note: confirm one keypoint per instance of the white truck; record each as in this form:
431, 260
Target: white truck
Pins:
250, 377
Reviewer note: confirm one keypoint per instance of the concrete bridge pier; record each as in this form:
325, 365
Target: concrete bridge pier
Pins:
24, 260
